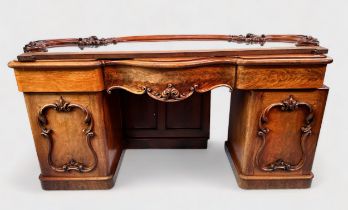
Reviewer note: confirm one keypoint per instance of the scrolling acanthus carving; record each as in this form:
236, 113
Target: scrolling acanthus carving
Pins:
289, 105
72, 165
170, 94
249, 39
93, 41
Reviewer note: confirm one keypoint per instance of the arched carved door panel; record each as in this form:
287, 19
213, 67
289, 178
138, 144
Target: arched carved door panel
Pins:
70, 146
283, 146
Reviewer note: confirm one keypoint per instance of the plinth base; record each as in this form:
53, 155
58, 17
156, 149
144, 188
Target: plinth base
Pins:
85, 183
167, 143
267, 182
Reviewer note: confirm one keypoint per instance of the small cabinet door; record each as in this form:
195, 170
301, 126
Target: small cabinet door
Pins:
144, 117
139, 111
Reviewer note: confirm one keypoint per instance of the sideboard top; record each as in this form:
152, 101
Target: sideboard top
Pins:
303, 45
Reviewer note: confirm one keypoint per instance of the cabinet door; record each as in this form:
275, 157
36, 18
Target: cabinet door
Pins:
139, 111
185, 114
144, 117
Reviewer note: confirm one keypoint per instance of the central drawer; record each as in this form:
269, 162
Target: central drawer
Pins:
168, 81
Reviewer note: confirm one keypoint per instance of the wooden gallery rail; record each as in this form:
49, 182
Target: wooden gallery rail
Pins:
86, 108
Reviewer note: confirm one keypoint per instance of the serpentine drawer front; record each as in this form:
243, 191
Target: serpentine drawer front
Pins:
87, 108
169, 81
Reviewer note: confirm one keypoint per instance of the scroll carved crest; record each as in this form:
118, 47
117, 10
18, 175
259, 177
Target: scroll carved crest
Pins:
93, 41
170, 94
249, 39
36, 46
287, 105
72, 165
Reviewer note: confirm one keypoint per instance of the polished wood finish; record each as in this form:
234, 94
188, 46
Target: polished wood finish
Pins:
280, 77
35, 56
86, 108
71, 76
156, 81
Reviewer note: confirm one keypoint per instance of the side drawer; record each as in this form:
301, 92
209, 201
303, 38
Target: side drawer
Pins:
280, 76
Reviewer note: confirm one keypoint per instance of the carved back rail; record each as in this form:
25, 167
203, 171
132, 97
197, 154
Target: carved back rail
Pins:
93, 41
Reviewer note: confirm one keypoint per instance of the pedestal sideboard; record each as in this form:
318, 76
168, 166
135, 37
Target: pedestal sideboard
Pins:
87, 108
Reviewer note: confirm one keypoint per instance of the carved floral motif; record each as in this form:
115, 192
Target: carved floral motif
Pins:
249, 39
35, 46
289, 104
308, 40
93, 41
279, 164
170, 94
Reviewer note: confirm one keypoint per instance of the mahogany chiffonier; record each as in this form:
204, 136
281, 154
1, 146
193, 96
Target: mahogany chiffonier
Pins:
87, 108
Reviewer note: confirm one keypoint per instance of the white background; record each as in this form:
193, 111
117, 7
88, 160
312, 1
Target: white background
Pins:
173, 179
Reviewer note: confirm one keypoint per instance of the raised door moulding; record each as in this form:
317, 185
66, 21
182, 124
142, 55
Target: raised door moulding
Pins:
72, 165
288, 105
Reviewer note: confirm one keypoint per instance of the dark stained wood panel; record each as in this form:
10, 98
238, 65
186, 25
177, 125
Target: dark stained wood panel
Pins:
170, 129
184, 114
140, 111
